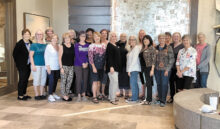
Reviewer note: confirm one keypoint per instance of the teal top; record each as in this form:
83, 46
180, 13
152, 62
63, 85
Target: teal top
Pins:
39, 50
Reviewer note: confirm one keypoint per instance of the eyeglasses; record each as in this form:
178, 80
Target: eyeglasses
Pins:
132, 39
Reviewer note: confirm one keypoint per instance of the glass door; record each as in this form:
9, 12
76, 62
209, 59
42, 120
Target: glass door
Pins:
3, 64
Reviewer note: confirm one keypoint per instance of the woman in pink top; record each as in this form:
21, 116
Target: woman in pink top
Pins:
202, 61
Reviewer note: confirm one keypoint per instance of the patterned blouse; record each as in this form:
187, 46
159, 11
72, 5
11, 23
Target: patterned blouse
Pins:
164, 58
96, 55
149, 56
187, 58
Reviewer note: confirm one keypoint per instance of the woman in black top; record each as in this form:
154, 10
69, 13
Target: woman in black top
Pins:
176, 46
21, 58
123, 77
66, 61
113, 66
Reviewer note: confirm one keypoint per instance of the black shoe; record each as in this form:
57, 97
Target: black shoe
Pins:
43, 97
37, 97
22, 98
28, 97
69, 99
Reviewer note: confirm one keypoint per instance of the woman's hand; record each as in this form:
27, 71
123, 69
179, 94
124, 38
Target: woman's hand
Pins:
62, 71
152, 73
33, 67
166, 73
94, 69
129, 74
85, 65
48, 70
179, 74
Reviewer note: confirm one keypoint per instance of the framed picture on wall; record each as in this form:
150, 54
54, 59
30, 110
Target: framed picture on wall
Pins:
34, 22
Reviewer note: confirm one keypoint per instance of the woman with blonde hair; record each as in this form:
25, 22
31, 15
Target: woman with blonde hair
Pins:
113, 66
49, 33
38, 65
72, 35
66, 62
133, 68
52, 65
123, 77
97, 61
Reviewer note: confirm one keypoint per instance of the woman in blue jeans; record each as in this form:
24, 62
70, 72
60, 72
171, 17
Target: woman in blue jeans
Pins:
202, 61
163, 65
52, 65
133, 67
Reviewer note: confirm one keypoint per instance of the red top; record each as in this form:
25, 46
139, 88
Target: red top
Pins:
199, 49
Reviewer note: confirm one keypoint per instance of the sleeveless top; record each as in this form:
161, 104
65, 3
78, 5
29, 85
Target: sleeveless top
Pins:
68, 55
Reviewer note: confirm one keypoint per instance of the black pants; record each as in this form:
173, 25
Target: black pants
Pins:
24, 74
173, 83
53, 79
149, 82
185, 82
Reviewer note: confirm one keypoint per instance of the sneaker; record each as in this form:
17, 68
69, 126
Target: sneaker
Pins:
56, 97
51, 98
131, 101
84, 99
78, 99
162, 104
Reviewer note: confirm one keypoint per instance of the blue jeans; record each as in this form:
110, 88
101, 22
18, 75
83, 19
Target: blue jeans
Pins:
162, 85
203, 79
53, 79
134, 85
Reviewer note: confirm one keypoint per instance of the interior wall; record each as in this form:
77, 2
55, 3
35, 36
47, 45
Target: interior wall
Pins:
60, 17
40, 7
208, 16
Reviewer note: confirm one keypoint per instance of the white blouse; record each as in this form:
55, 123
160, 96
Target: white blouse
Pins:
187, 58
51, 57
133, 63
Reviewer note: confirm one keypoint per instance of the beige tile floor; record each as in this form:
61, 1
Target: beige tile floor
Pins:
85, 115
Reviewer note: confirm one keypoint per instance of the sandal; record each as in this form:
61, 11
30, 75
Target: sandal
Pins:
100, 97
95, 100
113, 102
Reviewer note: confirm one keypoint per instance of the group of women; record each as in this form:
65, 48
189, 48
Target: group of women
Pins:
91, 61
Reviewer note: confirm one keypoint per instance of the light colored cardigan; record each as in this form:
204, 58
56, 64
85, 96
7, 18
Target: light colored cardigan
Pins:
133, 63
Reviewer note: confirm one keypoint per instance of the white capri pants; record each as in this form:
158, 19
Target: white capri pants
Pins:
39, 76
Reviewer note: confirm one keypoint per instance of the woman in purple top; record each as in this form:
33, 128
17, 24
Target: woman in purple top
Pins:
81, 66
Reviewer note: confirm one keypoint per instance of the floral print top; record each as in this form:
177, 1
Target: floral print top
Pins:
96, 55
187, 58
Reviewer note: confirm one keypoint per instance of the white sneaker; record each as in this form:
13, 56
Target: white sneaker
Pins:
51, 98
56, 97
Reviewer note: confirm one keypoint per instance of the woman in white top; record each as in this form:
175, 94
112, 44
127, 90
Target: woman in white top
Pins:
133, 67
52, 65
186, 64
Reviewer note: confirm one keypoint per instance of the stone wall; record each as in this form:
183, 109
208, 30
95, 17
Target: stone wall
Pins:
154, 16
